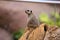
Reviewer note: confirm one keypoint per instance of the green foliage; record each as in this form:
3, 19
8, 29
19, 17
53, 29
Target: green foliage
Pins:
18, 34
44, 18
53, 19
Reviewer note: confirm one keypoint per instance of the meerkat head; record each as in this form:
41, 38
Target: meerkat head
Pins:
28, 12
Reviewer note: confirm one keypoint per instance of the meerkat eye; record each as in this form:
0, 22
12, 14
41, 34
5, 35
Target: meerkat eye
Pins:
27, 10
31, 11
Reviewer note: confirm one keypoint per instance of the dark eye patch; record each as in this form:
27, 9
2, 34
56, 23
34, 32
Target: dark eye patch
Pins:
28, 10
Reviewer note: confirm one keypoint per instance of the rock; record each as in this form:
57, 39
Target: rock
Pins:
43, 32
53, 34
36, 34
24, 36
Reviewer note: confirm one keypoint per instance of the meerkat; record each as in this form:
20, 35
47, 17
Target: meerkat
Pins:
32, 21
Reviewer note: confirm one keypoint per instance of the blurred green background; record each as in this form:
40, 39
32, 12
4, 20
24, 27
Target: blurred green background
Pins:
18, 34
50, 19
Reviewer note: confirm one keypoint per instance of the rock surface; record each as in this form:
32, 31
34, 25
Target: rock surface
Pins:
36, 34
43, 32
